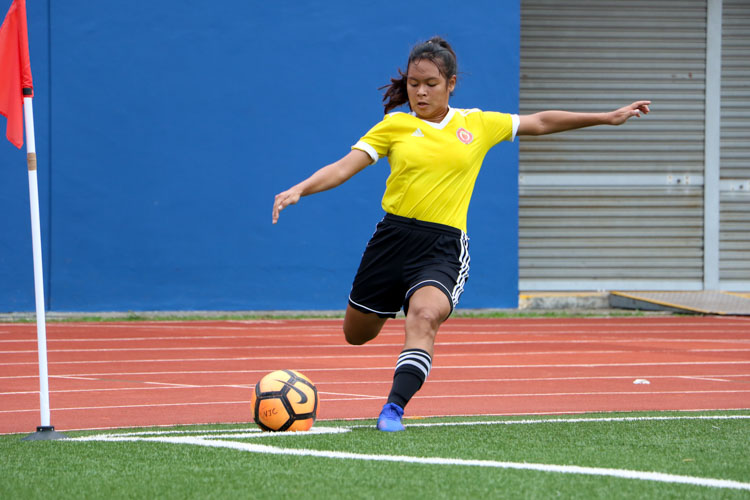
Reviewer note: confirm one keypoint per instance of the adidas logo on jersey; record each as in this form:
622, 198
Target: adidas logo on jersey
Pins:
417, 133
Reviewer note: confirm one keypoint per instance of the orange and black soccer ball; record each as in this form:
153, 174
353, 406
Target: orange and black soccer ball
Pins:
285, 400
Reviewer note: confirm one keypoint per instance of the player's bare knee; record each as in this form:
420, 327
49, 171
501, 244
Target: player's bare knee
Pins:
428, 316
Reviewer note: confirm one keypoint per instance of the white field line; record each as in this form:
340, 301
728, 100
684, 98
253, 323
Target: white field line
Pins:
585, 420
562, 469
322, 430
220, 441
508, 414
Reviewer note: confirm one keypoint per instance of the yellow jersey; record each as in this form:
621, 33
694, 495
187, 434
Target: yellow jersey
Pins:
434, 165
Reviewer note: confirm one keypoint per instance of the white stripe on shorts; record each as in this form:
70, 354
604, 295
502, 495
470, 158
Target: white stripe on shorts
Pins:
463, 273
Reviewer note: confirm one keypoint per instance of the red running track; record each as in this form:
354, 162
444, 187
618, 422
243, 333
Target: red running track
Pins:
105, 375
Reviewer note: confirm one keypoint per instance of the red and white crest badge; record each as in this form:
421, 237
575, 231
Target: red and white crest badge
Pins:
464, 135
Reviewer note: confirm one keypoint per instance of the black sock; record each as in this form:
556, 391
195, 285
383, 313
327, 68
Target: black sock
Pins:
412, 369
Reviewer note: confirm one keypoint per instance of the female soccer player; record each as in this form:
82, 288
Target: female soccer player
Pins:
418, 257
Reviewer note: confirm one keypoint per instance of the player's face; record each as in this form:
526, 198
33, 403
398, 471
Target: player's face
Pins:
428, 90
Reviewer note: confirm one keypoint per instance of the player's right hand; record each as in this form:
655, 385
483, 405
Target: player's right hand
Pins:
283, 200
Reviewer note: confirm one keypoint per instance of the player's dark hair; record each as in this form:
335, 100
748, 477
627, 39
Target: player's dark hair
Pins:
436, 50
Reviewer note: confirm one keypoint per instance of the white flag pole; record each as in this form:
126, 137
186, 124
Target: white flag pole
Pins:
36, 244
45, 430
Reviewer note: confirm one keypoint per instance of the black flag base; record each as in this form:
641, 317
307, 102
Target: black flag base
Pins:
44, 433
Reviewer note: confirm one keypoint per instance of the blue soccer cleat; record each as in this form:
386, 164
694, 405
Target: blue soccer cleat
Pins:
390, 418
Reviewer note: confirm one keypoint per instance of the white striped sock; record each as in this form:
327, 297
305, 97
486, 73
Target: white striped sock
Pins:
415, 357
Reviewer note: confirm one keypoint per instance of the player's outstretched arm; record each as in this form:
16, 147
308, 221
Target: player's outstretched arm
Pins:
549, 122
326, 178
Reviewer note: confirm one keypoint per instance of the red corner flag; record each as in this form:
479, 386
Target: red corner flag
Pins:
16, 70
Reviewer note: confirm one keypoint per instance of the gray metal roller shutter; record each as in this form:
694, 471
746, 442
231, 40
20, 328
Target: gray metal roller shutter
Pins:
734, 235
613, 207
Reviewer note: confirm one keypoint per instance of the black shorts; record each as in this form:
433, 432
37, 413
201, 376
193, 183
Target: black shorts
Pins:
405, 255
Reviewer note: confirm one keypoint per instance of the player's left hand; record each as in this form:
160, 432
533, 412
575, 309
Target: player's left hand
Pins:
620, 116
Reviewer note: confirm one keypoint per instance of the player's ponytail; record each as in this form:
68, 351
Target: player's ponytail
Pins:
436, 50
395, 94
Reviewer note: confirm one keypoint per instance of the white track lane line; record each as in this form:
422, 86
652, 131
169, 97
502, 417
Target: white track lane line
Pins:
439, 343
390, 368
433, 380
422, 397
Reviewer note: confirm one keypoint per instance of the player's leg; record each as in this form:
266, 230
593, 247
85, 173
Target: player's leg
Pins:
429, 307
361, 327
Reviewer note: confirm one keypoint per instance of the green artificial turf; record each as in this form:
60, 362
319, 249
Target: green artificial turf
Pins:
710, 448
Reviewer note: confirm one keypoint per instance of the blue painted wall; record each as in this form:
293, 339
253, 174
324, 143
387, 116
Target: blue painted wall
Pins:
163, 134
